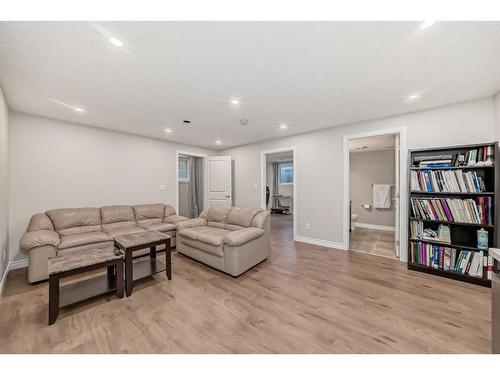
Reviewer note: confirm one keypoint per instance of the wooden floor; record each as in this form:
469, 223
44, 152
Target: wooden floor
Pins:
303, 299
372, 241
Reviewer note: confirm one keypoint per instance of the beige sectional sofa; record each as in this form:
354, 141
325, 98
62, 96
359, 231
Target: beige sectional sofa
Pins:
65, 230
230, 239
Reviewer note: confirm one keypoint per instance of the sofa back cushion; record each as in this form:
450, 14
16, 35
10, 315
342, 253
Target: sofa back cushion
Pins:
68, 221
218, 213
149, 213
169, 210
242, 216
114, 217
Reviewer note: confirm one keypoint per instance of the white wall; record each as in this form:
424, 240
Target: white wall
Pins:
366, 169
4, 187
319, 159
56, 164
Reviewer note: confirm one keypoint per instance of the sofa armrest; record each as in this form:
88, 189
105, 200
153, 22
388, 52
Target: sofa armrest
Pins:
242, 236
175, 219
38, 238
197, 222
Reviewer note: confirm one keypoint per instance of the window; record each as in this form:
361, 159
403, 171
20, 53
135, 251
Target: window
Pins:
183, 169
285, 173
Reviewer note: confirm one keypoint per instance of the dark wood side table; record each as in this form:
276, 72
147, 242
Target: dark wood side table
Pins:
133, 242
72, 264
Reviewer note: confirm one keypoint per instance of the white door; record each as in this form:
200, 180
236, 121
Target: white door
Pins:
219, 180
396, 197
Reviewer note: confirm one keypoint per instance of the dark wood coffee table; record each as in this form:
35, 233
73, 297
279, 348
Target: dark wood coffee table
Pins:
76, 263
133, 242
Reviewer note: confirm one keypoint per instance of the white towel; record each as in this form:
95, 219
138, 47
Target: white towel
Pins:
381, 196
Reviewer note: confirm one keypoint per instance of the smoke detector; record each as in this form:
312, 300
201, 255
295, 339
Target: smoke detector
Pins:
243, 122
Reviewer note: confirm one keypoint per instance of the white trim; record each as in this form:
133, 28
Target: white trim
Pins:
4, 279
189, 153
16, 264
375, 226
318, 242
403, 171
295, 182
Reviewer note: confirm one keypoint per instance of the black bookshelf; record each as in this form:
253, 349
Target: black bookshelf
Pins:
463, 235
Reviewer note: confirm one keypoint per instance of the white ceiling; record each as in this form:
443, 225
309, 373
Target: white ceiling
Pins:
310, 75
375, 143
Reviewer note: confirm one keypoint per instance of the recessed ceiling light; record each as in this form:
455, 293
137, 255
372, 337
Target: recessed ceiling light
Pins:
78, 109
283, 126
218, 142
115, 41
235, 101
243, 122
168, 131
426, 24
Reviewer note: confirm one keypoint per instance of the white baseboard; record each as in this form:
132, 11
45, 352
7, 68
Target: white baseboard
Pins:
21, 263
374, 226
318, 242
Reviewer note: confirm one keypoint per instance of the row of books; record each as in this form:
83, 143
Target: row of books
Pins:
417, 231
449, 259
478, 211
453, 181
480, 156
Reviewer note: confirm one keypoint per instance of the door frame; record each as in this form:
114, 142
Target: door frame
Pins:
263, 177
403, 186
205, 185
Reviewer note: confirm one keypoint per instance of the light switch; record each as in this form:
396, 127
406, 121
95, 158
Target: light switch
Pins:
162, 187
255, 186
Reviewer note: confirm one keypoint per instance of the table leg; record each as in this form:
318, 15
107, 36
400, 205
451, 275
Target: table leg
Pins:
129, 276
53, 299
168, 260
152, 252
111, 272
119, 279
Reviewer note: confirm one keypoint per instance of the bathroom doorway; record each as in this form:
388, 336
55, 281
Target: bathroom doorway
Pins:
374, 195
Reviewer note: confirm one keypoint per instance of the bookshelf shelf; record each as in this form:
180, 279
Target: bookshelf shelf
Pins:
437, 193
461, 258
452, 168
450, 274
447, 244
452, 223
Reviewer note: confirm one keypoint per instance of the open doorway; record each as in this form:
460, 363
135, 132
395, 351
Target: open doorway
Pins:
190, 184
374, 195
279, 189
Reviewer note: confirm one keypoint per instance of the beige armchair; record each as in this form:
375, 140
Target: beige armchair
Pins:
230, 239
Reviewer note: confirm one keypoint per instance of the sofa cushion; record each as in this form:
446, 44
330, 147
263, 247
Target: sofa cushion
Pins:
160, 227
114, 232
218, 213
212, 236
217, 250
117, 214
69, 221
82, 239
260, 219
149, 213
174, 219
169, 210
242, 215
196, 222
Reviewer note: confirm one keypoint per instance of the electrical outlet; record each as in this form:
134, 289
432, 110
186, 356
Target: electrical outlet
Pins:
162, 187
308, 226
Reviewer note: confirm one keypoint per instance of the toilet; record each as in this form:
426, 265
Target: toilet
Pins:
354, 217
